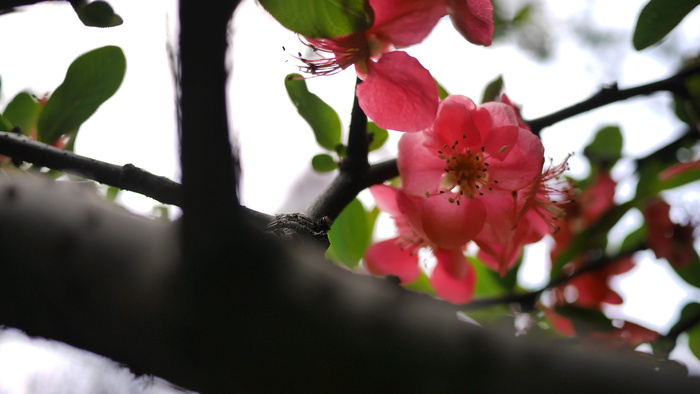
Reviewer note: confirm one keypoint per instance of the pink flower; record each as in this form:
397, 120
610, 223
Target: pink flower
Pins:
584, 210
593, 288
468, 167
397, 91
453, 277
667, 239
534, 212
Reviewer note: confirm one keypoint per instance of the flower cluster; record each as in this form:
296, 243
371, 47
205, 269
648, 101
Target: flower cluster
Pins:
397, 91
474, 175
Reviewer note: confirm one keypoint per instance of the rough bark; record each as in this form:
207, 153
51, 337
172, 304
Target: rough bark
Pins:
81, 271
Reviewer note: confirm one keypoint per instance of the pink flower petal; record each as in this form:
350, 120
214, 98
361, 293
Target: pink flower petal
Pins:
385, 197
387, 258
677, 169
473, 19
522, 165
501, 216
403, 22
458, 290
398, 93
453, 123
421, 170
449, 225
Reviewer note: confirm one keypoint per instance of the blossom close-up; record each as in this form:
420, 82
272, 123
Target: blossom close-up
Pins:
453, 278
397, 92
469, 166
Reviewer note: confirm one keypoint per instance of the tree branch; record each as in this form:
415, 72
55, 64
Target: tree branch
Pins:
127, 177
612, 94
358, 143
81, 272
9, 4
353, 175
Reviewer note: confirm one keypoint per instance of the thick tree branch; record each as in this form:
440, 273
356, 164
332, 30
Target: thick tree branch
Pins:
209, 169
612, 94
81, 272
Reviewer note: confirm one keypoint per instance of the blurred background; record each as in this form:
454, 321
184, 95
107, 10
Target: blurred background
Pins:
550, 53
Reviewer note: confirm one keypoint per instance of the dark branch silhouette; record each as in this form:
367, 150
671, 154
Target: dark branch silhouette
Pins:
612, 94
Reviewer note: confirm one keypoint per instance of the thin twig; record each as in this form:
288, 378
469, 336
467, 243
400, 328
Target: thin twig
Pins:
528, 300
127, 177
611, 94
353, 176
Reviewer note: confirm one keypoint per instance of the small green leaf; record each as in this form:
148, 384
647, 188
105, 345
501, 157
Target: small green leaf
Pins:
98, 14
633, 240
321, 18
689, 313
422, 284
493, 90
23, 111
606, 147
323, 119
323, 163
379, 136
91, 79
341, 150
689, 272
658, 18
694, 341
488, 282
5, 125
442, 92
651, 185
349, 235
112, 193
585, 319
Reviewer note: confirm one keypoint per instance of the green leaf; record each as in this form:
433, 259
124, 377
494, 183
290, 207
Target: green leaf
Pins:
379, 136
323, 119
689, 272
91, 79
488, 282
422, 285
98, 14
372, 219
323, 163
658, 18
112, 193
493, 90
585, 319
650, 184
694, 340
633, 240
5, 125
23, 111
442, 92
689, 313
349, 235
606, 147
321, 18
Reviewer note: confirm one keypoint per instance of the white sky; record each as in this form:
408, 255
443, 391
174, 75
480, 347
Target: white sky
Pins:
137, 125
